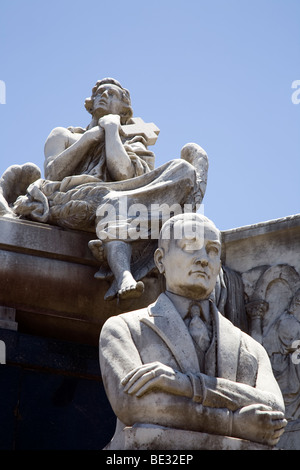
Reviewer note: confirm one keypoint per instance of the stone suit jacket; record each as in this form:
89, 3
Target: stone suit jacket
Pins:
238, 372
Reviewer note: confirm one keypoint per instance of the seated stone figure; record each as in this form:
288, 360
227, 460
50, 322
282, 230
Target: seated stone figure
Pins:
180, 364
93, 176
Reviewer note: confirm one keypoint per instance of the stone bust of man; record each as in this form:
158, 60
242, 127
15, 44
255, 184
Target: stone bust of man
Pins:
180, 363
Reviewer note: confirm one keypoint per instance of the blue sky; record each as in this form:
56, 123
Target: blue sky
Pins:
215, 72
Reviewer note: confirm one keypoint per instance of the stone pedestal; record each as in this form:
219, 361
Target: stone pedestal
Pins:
47, 280
290, 440
150, 437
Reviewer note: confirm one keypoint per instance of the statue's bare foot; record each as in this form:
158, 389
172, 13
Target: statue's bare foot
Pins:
129, 288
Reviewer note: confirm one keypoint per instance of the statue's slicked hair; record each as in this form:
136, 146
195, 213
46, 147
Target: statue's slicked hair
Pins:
167, 232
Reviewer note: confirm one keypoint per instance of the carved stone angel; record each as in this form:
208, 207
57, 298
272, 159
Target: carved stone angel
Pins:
93, 177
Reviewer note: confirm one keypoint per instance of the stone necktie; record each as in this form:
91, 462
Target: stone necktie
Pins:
198, 329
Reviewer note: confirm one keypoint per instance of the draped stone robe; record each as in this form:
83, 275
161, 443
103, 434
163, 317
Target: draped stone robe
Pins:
89, 199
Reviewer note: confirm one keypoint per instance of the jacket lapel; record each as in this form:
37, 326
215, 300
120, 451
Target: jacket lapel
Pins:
228, 345
167, 323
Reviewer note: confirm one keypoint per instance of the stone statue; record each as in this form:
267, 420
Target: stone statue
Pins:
96, 176
179, 364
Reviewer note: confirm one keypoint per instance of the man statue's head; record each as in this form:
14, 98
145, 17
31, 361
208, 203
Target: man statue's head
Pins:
189, 255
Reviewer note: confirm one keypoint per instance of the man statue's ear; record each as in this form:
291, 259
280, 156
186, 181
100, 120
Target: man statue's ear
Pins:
158, 259
220, 268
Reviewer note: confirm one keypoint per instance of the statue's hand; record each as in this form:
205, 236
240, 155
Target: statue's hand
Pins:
110, 120
156, 376
258, 423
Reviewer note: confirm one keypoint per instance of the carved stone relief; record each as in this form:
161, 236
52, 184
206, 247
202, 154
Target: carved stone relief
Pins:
273, 307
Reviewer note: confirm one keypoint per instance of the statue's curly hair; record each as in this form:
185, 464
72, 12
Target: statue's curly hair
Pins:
104, 81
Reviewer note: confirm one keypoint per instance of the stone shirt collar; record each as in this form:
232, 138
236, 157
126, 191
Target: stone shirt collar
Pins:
182, 305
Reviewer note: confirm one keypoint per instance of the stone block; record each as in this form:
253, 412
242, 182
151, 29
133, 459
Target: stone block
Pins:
47, 276
147, 437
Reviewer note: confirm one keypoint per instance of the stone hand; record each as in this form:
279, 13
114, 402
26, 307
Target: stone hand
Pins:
258, 423
156, 376
110, 120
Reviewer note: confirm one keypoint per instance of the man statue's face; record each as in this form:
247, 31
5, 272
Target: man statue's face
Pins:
110, 99
192, 263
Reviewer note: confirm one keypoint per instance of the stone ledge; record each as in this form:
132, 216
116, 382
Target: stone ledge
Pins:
33, 238
151, 437
267, 243
47, 276
262, 228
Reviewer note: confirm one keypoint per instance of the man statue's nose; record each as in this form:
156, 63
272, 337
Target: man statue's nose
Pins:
202, 261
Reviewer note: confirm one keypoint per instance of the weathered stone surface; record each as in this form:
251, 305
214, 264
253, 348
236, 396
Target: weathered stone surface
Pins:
7, 318
47, 275
267, 257
160, 438
267, 243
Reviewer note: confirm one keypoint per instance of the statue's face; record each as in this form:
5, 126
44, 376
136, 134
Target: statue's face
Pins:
110, 99
192, 263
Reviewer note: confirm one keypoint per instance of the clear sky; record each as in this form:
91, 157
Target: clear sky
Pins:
215, 72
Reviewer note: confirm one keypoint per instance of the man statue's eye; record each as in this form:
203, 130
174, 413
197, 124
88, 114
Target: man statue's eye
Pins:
212, 250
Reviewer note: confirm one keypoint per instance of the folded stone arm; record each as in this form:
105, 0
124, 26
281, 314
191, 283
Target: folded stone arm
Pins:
209, 391
220, 392
118, 357
65, 150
